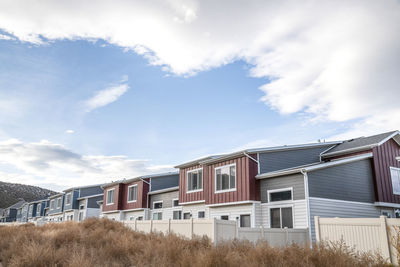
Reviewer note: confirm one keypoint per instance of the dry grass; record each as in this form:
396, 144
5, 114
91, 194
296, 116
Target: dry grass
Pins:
107, 243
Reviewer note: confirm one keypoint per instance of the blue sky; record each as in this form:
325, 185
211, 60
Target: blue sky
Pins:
79, 107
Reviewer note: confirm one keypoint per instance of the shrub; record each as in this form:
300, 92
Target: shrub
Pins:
101, 242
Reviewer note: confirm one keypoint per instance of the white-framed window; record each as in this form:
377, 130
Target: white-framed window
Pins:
58, 202
187, 215
225, 178
157, 216
110, 196
282, 194
395, 175
175, 202
157, 205
140, 218
68, 199
38, 207
224, 217
387, 213
131, 218
132, 193
195, 180
177, 215
281, 217
82, 207
80, 216
201, 214
245, 220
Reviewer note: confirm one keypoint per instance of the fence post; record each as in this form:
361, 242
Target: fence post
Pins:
215, 231
262, 232
384, 238
317, 229
135, 224
169, 225
191, 227
236, 229
151, 225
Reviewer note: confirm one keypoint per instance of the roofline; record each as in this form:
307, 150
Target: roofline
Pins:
37, 201
194, 162
56, 195
81, 187
208, 160
164, 190
313, 167
129, 180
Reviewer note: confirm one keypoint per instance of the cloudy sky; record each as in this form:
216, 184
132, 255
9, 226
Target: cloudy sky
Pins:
93, 91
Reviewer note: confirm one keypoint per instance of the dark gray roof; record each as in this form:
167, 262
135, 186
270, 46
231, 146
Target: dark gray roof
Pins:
360, 143
17, 205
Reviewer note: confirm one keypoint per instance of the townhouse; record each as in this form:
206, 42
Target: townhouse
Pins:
10, 214
56, 208
37, 210
81, 202
22, 213
134, 198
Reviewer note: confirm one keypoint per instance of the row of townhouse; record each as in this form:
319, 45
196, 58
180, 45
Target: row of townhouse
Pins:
73, 204
273, 187
10, 214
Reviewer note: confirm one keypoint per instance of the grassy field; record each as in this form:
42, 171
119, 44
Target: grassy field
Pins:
98, 242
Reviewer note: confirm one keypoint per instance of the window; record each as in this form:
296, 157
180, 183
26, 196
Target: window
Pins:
140, 218
58, 202
157, 205
201, 214
110, 197
131, 218
187, 215
225, 217
81, 207
157, 216
395, 174
38, 209
281, 217
80, 217
225, 178
397, 213
132, 193
245, 220
177, 215
175, 202
280, 194
68, 199
387, 213
195, 180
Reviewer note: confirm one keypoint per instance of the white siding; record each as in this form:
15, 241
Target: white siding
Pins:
167, 213
299, 212
134, 214
258, 214
91, 212
114, 215
194, 209
233, 212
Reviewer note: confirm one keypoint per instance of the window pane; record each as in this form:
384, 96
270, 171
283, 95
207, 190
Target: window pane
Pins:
225, 217
280, 196
275, 218
245, 221
194, 180
186, 215
200, 182
201, 214
395, 174
176, 203
218, 179
190, 181
177, 215
232, 177
287, 218
225, 181
158, 205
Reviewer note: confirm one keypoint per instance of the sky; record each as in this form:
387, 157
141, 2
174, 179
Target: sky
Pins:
95, 91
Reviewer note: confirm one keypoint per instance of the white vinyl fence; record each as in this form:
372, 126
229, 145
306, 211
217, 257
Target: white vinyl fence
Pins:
221, 230
364, 234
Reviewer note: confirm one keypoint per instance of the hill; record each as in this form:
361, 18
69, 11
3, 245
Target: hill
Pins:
10, 193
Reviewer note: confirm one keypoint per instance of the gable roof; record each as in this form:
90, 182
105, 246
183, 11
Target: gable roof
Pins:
17, 205
126, 181
362, 143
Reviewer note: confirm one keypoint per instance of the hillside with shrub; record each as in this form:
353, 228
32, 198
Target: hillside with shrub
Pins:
102, 242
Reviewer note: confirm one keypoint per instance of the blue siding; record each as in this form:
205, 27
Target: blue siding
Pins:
90, 191
273, 161
162, 182
56, 209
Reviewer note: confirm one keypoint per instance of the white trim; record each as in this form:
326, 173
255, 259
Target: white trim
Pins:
186, 212
313, 167
258, 165
70, 200
111, 211
192, 202
386, 204
137, 209
187, 180
280, 190
389, 137
59, 198
172, 202
398, 158
164, 190
215, 179
157, 212
108, 190
135, 200
323, 152
344, 201
161, 201
391, 178
280, 214
233, 203
201, 211
90, 196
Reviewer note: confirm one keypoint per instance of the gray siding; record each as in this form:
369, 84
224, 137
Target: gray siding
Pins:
165, 197
92, 202
90, 191
329, 208
57, 210
162, 182
74, 202
351, 182
295, 180
273, 161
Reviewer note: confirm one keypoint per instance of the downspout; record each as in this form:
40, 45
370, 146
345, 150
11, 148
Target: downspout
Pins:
307, 195
147, 196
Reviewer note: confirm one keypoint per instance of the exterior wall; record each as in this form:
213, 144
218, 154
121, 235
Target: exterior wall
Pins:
194, 209
117, 205
74, 203
57, 210
352, 182
234, 212
338, 208
141, 202
247, 187
74, 213
132, 215
279, 160
162, 182
113, 216
92, 202
166, 198
296, 181
90, 191
59, 217
385, 157
299, 208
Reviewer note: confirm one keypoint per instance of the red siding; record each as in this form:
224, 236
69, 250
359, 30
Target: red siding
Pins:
247, 187
142, 190
385, 157
117, 201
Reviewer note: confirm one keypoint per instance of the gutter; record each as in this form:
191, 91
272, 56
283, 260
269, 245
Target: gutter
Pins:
307, 195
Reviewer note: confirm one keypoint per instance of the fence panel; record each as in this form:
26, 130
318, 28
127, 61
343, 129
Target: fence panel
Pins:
274, 237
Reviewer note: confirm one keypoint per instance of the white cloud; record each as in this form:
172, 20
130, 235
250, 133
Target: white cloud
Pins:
6, 37
107, 96
55, 165
335, 60
69, 131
